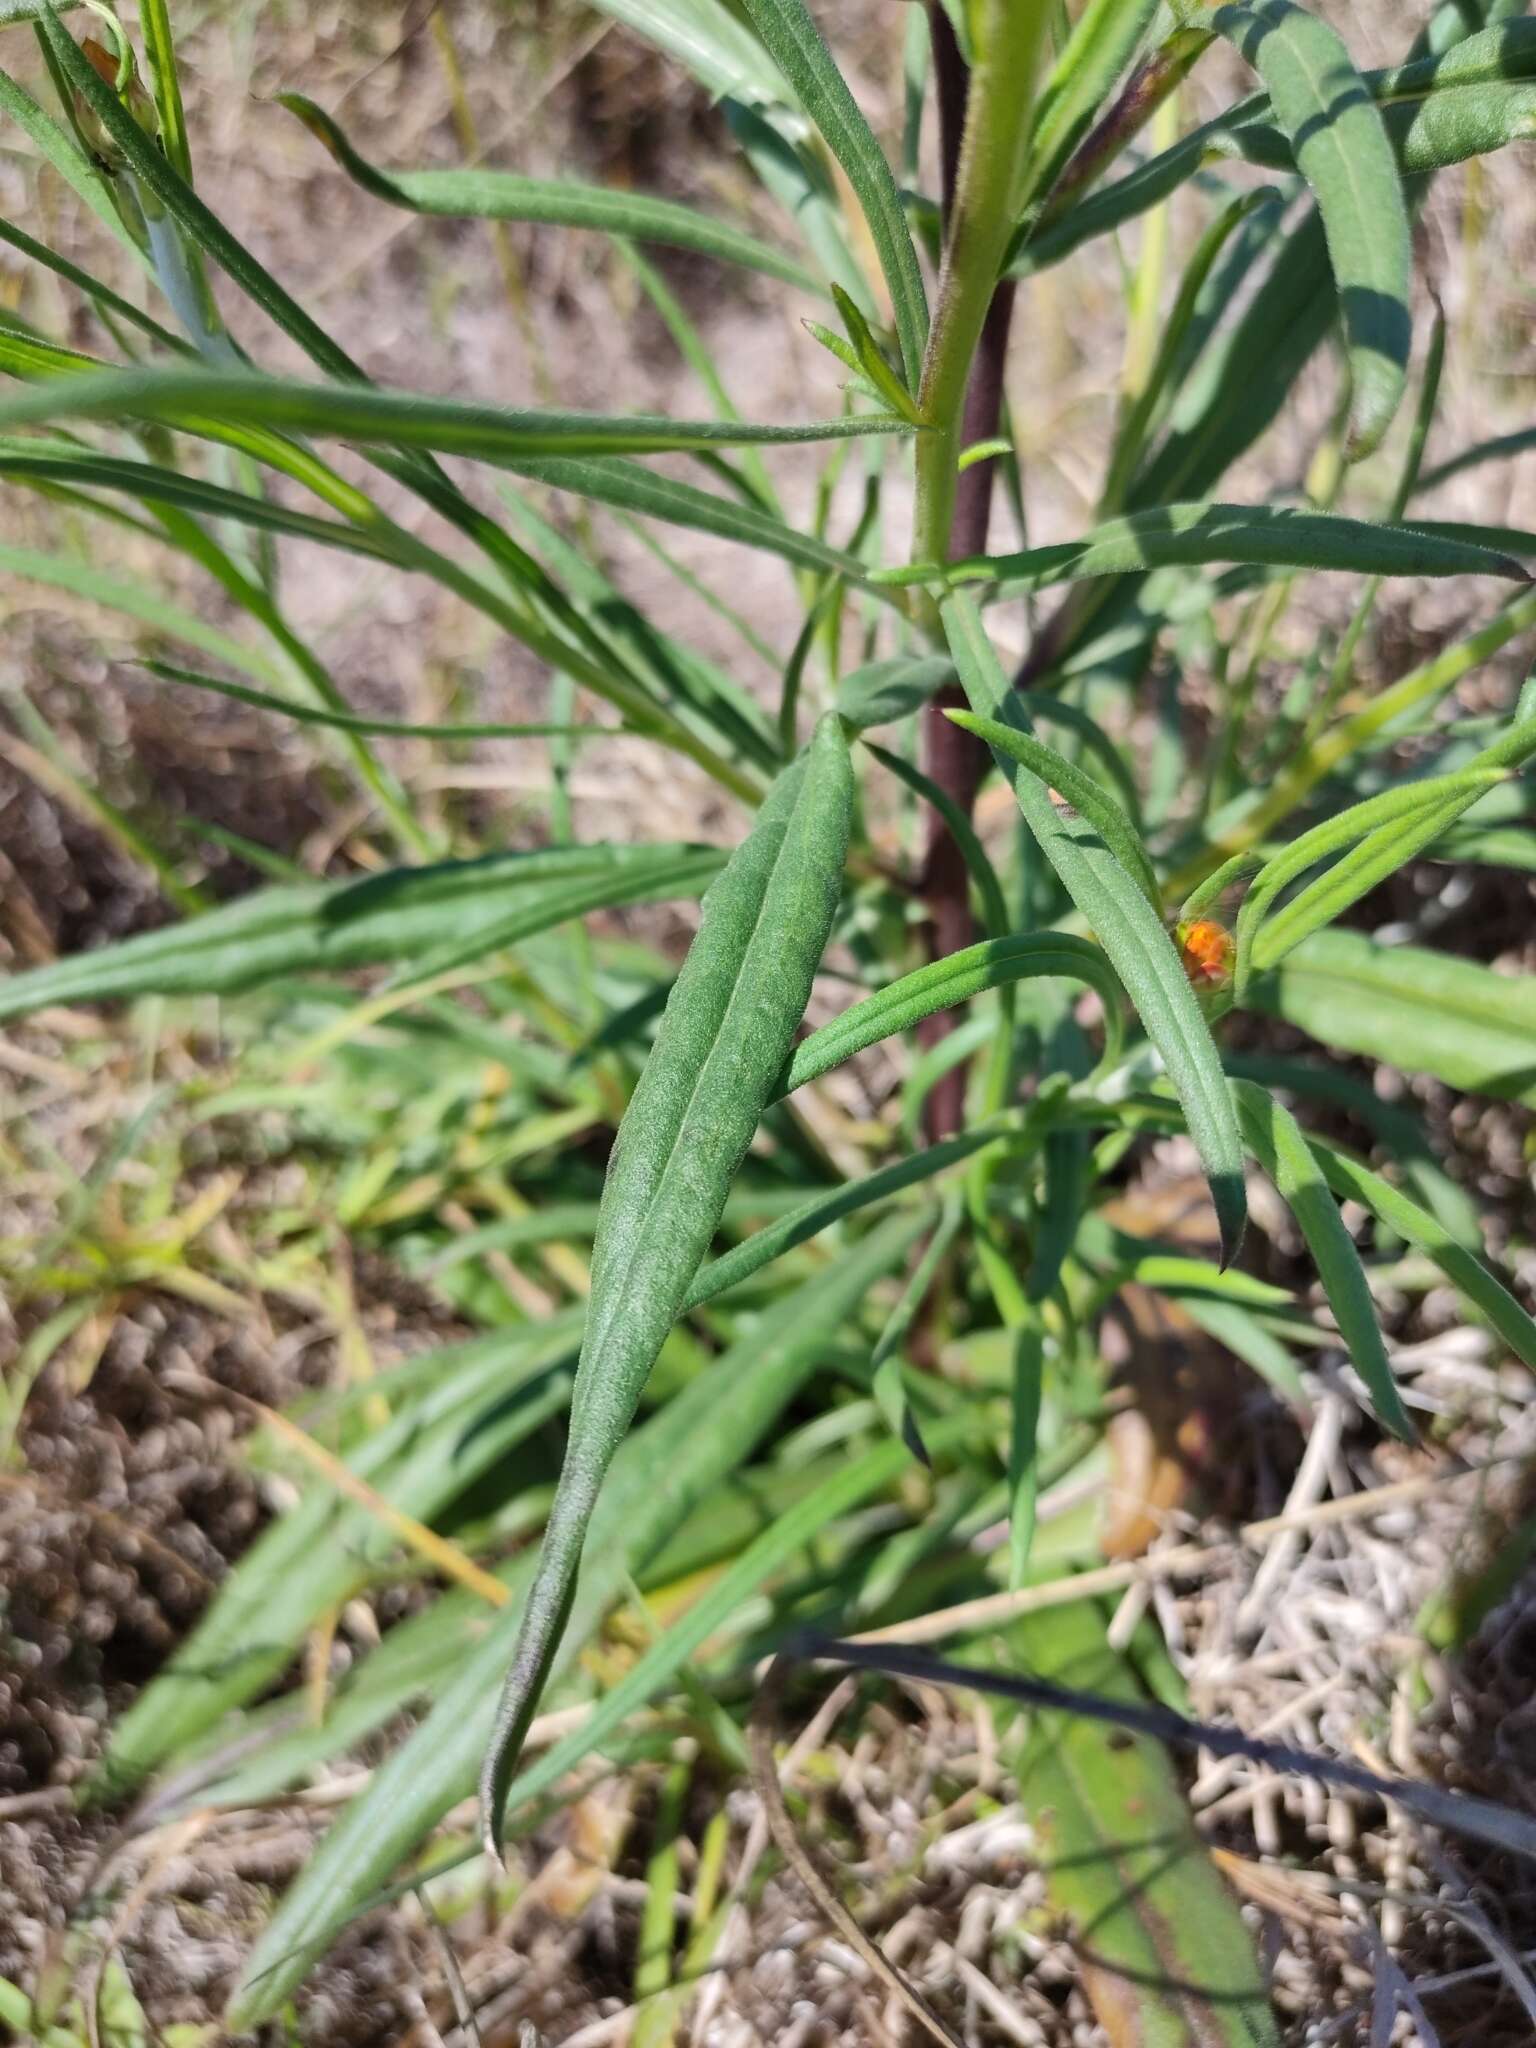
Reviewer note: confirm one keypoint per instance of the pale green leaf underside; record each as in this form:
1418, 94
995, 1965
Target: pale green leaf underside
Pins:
502, 195
1422, 1011
721, 1044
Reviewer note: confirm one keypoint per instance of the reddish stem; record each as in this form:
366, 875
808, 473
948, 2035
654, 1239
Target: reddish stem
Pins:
953, 759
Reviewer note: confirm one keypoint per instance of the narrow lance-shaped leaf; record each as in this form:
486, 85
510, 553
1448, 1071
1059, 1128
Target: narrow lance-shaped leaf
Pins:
1343, 152
1125, 925
882, 692
665, 1470
823, 1210
398, 419
631, 487
1353, 1182
1074, 791
721, 1043
1422, 1011
795, 43
1276, 1141
1385, 831
955, 979
502, 195
1194, 535
483, 1397
393, 917
1468, 100
1333, 835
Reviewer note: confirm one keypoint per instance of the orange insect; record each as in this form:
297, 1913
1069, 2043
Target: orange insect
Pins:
1207, 951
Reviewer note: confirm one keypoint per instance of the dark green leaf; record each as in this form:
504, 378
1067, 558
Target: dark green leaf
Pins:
1272, 536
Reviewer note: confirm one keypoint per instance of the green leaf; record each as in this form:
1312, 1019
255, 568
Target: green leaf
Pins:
630, 487
1162, 1948
483, 1398
799, 1526
1396, 821
24, 458
795, 44
957, 978
1353, 1182
401, 419
1270, 536
821, 1211
1276, 1140
722, 1041
706, 38
502, 195
1130, 931
665, 1470
882, 692
1437, 110
1425, 1012
346, 721
977, 860
137, 601
1103, 40
1343, 152
393, 917
1381, 853
61, 151
869, 358
1075, 791
155, 21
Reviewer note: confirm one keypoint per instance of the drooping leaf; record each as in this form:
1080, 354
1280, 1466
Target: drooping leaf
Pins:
1276, 1141
631, 487
659, 1476
394, 917
727, 1026
1353, 1182
483, 194
1271, 536
1125, 925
